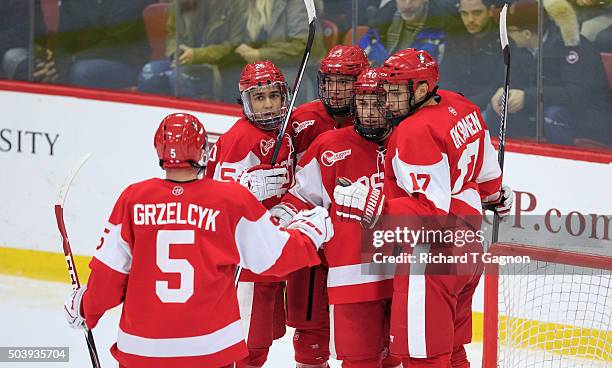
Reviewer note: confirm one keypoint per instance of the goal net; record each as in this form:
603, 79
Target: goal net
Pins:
554, 311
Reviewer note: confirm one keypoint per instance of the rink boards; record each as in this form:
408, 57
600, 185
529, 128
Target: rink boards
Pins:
45, 130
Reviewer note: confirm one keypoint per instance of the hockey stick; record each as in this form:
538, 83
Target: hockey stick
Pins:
312, 19
72, 272
503, 36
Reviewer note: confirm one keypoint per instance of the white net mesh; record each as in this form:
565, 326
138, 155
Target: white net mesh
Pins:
554, 315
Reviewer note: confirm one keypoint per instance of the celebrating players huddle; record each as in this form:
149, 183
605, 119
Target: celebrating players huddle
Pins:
378, 143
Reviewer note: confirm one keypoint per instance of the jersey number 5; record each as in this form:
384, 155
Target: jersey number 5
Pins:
165, 238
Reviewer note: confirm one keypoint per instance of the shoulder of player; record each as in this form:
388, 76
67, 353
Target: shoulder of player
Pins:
225, 193
453, 97
333, 138
241, 129
137, 188
241, 136
307, 116
311, 108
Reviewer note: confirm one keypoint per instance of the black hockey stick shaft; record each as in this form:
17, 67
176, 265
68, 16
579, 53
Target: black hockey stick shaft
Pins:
503, 35
72, 271
312, 20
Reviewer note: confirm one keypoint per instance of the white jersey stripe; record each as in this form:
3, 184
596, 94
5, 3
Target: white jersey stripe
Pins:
437, 188
115, 251
356, 274
225, 171
182, 346
259, 243
332, 333
470, 197
245, 293
417, 347
490, 167
309, 186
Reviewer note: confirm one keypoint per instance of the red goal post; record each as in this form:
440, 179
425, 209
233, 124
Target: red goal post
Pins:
555, 311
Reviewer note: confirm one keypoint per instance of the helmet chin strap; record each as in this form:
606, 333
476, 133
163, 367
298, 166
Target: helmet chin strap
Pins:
338, 112
413, 106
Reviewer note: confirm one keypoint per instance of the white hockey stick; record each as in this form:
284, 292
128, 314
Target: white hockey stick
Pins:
72, 272
503, 36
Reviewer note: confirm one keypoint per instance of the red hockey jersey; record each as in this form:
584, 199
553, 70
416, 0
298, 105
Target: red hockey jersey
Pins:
308, 121
440, 160
169, 254
334, 154
240, 148
244, 146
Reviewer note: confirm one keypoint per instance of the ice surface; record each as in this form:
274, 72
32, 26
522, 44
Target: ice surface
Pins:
31, 314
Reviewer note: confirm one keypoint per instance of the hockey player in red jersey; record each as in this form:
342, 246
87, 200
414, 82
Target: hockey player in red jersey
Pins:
358, 295
337, 74
169, 253
243, 154
440, 162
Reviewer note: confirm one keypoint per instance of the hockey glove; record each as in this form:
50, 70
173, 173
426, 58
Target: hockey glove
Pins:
284, 212
501, 202
72, 308
314, 223
355, 201
265, 181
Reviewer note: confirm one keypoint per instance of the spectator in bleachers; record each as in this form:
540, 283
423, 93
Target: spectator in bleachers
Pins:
14, 39
421, 24
101, 43
277, 30
473, 62
340, 12
576, 96
208, 32
596, 22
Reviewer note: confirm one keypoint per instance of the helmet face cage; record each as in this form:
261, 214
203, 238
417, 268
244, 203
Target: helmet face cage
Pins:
368, 121
394, 103
336, 92
266, 120
201, 164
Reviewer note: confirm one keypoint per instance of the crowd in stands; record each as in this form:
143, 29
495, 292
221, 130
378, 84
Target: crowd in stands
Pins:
196, 49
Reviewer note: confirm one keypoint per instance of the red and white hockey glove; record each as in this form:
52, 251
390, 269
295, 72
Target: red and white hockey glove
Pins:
356, 201
314, 223
284, 212
72, 308
501, 203
265, 181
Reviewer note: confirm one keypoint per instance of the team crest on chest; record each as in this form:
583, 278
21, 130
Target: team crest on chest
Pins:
266, 146
328, 158
299, 126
